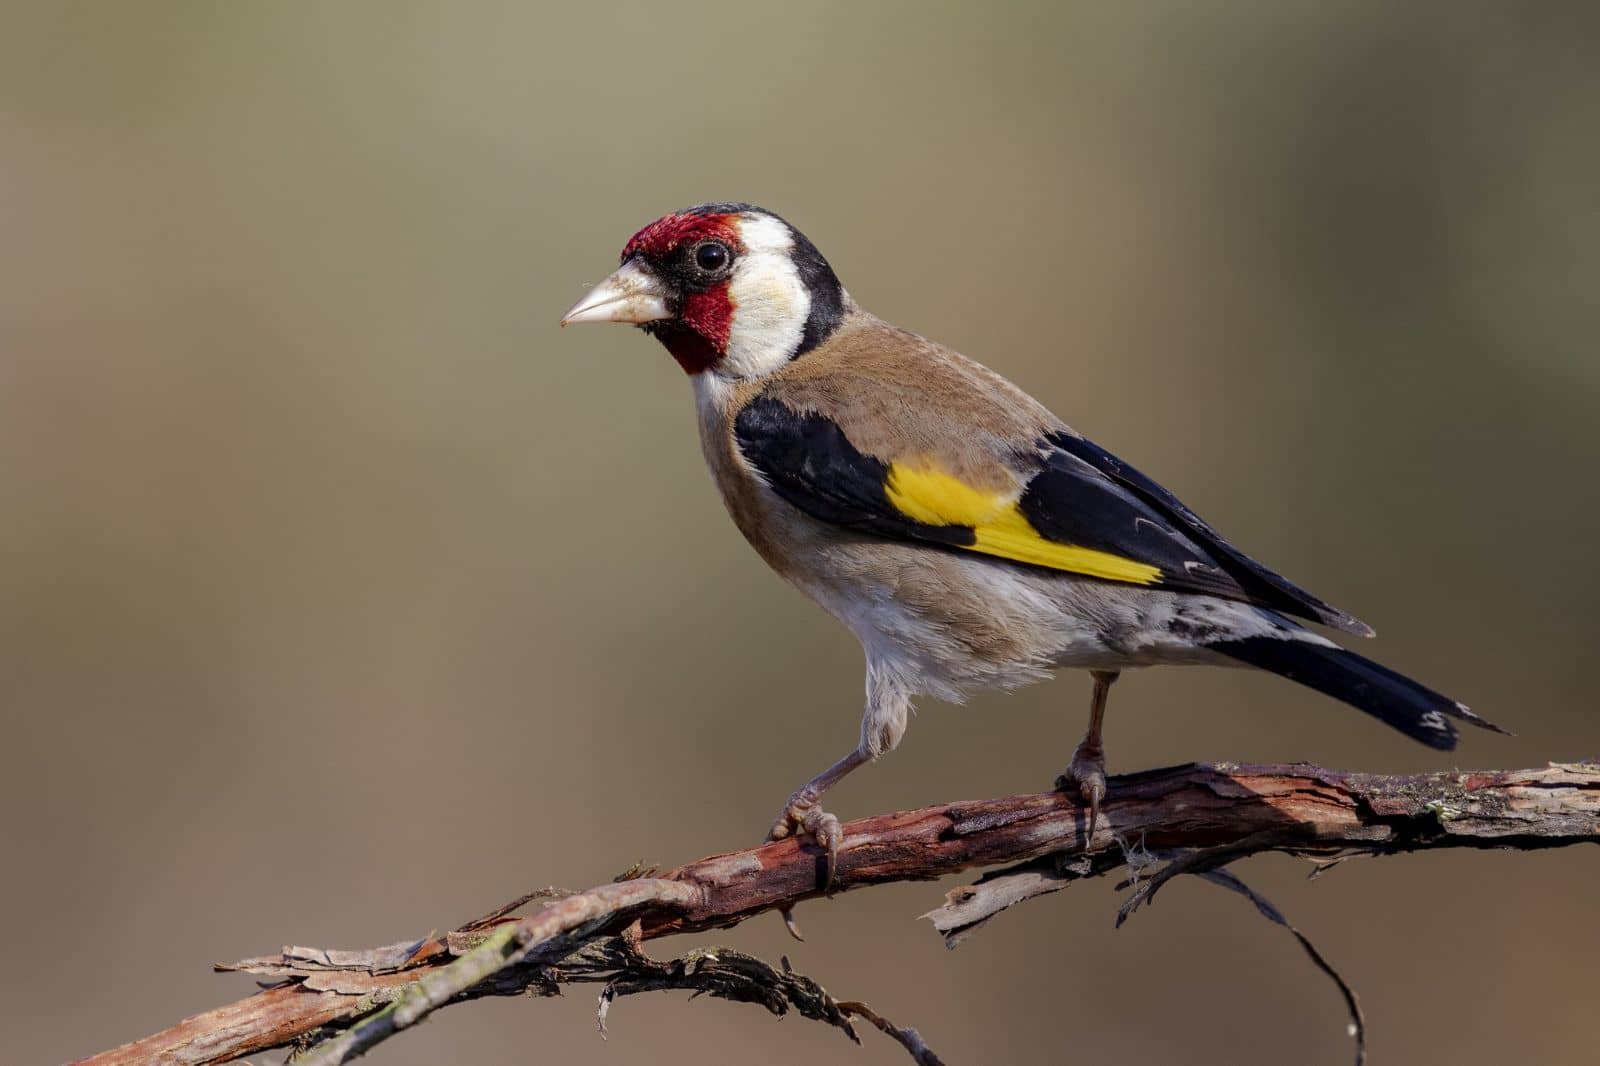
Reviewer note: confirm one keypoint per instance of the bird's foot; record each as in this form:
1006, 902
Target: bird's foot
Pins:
802, 816
1087, 777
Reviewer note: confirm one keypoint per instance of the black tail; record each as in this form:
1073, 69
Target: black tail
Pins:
1418, 712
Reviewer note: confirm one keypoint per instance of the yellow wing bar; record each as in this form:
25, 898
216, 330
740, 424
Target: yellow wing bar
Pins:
999, 527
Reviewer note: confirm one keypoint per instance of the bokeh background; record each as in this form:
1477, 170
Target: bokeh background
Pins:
343, 596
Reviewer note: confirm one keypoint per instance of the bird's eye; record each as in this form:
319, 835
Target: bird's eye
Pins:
711, 257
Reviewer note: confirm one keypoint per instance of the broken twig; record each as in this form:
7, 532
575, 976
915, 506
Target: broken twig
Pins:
335, 1005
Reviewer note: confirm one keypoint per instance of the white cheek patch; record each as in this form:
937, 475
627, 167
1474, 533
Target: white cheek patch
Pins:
770, 302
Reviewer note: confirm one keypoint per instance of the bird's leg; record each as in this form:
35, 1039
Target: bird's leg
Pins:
802, 814
1088, 770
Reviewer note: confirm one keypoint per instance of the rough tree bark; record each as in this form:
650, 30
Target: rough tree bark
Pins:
333, 1005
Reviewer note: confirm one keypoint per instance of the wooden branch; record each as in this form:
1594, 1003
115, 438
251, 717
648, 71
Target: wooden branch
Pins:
1199, 816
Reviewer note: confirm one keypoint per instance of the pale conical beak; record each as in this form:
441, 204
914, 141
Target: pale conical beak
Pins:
633, 294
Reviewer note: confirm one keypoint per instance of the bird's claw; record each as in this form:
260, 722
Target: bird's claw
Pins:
1086, 776
803, 817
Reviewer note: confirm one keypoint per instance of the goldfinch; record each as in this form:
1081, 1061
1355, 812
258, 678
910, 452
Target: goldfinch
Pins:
967, 536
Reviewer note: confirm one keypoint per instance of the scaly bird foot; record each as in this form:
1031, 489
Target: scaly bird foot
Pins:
803, 817
1086, 776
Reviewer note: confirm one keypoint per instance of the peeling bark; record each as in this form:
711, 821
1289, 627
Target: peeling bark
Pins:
1199, 817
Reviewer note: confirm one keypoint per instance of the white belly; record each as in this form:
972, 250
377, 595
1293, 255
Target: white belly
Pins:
944, 623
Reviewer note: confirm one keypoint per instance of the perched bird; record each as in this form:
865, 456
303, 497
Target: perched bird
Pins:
967, 536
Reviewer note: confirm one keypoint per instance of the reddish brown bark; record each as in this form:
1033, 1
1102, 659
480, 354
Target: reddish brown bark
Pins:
1239, 810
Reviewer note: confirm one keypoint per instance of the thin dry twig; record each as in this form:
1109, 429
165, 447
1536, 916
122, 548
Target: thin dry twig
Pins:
347, 1002
907, 1037
580, 915
1358, 1020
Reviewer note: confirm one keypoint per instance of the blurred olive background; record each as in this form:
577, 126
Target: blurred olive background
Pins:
343, 596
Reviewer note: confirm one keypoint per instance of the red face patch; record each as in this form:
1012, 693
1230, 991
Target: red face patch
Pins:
704, 327
698, 337
660, 238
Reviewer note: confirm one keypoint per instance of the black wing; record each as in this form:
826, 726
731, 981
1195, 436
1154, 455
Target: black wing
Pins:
1079, 510
1257, 583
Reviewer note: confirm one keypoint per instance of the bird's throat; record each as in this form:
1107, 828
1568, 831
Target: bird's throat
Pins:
699, 338
693, 351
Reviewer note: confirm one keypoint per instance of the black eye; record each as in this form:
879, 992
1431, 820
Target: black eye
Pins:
711, 257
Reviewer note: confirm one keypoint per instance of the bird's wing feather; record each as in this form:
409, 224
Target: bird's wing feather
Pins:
1050, 500
1260, 583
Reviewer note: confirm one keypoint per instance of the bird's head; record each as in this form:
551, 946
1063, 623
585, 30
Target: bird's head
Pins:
729, 289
